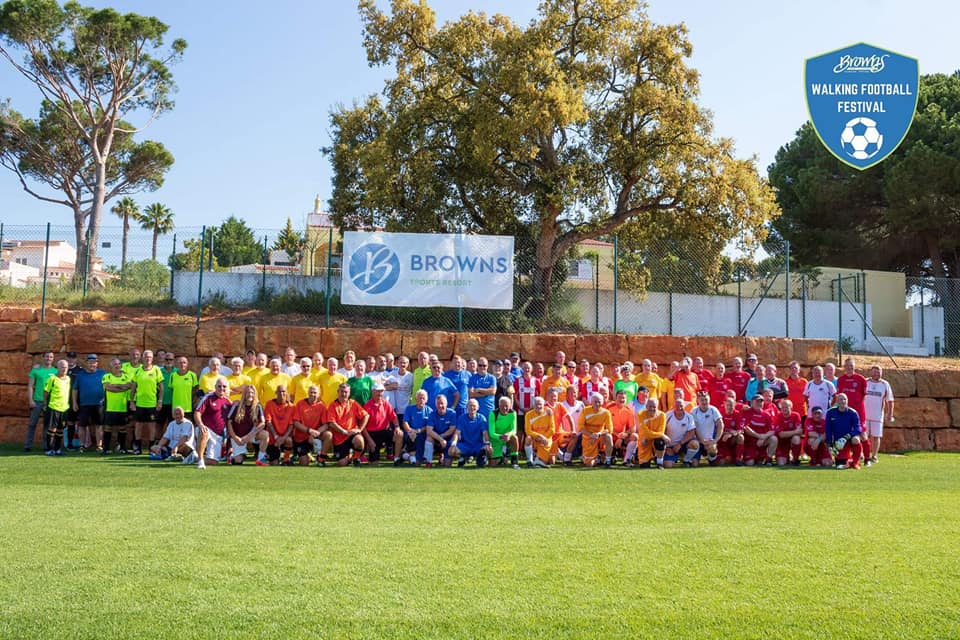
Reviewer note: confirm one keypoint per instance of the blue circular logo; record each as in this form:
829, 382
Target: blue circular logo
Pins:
374, 268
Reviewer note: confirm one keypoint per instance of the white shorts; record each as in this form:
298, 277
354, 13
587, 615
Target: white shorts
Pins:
875, 427
238, 450
214, 445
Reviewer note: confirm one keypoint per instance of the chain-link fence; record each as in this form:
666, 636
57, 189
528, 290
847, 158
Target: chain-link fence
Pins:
611, 284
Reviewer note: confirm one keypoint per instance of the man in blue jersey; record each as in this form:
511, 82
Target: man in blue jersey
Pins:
460, 377
471, 439
416, 419
440, 430
437, 384
87, 397
843, 433
483, 388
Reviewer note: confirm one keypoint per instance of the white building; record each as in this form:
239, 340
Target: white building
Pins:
22, 263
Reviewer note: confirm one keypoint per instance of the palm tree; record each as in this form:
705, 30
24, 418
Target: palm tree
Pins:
125, 209
156, 218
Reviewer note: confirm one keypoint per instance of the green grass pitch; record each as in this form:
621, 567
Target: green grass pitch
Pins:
127, 548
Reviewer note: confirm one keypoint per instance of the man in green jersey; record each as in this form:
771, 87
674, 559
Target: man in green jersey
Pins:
502, 426
361, 385
116, 387
167, 363
626, 384
421, 373
146, 399
36, 380
56, 403
182, 386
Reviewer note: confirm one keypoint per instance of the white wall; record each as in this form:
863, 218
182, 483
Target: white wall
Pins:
238, 288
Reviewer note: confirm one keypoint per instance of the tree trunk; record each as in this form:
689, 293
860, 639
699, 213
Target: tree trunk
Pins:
126, 232
154, 255
542, 289
80, 233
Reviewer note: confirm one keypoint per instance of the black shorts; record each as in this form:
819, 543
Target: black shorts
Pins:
54, 420
115, 419
145, 414
273, 452
342, 450
303, 448
382, 439
70, 416
91, 416
165, 415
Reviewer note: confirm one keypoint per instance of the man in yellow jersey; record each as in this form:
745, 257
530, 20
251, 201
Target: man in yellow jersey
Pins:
651, 424
259, 369
539, 430
330, 383
268, 383
56, 402
596, 427
300, 385
208, 381
237, 379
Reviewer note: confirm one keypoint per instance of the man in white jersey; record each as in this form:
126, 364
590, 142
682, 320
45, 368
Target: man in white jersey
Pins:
398, 384
819, 391
681, 437
877, 402
709, 425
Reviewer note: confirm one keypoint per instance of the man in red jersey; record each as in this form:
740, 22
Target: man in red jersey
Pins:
718, 386
789, 428
760, 442
816, 439
280, 414
739, 379
702, 372
210, 419
854, 386
730, 445
309, 429
796, 385
383, 427
347, 420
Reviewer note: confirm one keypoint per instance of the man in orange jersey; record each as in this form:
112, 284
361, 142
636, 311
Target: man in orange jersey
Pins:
624, 428
687, 380
346, 420
596, 427
796, 385
651, 424
279, 414
563, 426
310, 432
539, 430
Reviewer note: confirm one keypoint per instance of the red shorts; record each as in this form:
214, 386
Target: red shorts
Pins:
727, 448
752, 449
783, 447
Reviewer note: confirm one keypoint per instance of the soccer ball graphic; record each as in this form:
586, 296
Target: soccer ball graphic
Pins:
861, 139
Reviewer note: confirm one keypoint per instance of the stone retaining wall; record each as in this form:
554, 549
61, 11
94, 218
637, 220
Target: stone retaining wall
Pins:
927, 410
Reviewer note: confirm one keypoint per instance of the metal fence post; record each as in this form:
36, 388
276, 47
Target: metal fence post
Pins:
840, 316
803, 305
203, 245
786, 289
263, 277
43, 294
739, 300
173, 264
863, 303
209, 254
329, 270
923, 337
596, 293
616, 277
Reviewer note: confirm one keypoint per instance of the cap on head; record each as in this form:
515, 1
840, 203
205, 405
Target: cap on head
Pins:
91, 357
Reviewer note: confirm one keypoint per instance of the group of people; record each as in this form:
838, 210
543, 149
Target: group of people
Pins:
288, 410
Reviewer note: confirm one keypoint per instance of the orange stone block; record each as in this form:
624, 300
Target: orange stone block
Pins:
308, 340
810, 352
902, 381
543, 348
364, 342
946, 439
714, 349
493, 346
659, 349
938, 383
778, 351
440, 343
14, 429
43, 337
907, 439
104, 337
14, 367
179, 338
602, 347
13, 336
13, 400
215, 337
922, 412
272, 341
18, 314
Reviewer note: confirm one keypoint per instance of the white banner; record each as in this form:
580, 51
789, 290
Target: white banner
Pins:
427, 270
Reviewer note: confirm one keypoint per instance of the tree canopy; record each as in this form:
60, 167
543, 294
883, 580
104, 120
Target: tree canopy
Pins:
901, 215
234, 243
561, 131
95, 69
158, 219
290, 241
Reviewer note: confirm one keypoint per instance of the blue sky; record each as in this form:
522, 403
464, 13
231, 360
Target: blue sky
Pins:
257, 84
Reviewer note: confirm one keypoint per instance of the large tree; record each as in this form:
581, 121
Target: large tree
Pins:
901, 215
234, 243
158, 219
291, 242
565, 129
95, 69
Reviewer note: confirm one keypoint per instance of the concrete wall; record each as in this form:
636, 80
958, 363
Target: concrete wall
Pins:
241, 288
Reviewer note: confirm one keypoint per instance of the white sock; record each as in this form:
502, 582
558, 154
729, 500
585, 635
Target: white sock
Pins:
660, 460
529, 450
631, 451
567, 456
428, 451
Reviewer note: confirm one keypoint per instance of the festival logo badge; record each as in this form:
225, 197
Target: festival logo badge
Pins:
861, 101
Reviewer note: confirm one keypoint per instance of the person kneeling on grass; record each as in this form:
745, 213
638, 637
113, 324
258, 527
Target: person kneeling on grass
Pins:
279, 414
502, 427
246, 425
347, 420
816, 439
310, 431
416, 418
596, 429
471, 438
681, 436
177, 443
789, 428
651, 425
440, 430
760, 439
211, 418
844, 433
539, 434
